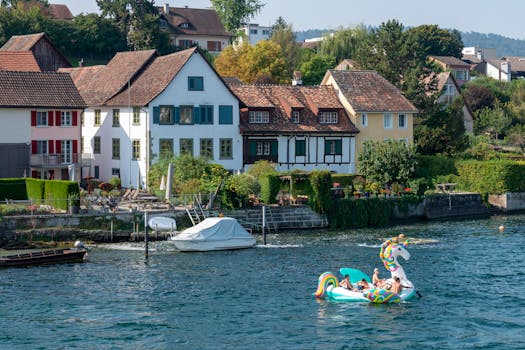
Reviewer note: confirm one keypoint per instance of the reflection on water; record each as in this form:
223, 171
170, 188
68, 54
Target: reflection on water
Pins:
468, 273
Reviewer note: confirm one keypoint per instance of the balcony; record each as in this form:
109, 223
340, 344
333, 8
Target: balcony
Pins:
250, 159
51, 160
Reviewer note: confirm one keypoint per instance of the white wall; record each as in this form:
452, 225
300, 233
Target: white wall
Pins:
16, 125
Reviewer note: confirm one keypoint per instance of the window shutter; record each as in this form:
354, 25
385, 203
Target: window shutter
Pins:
177, 115
326, 147
57, 118
225, 114
173, 115
253, 148
75, 146
156, 115
196, 115
51, 146
58, 146
338, 147
273, 148
75, 118
34, 147
33, 118
50, 118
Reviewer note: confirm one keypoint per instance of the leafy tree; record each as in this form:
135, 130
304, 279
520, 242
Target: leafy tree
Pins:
491, 121
516, 137
20, 20
283, 35
344, 43
261, 167
233, 13
437, 41
237, 189
478, 97
314, 69
387, 161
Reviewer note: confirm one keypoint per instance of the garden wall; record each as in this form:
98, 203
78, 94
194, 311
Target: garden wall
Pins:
508, 201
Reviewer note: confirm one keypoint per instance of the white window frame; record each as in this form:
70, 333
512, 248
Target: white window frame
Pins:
41, 118
296, 117
66, 118
66, 151
388, 121
405, 120
42, 147
328, 117
259, 117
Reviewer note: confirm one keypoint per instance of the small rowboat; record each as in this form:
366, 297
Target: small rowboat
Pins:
52, 256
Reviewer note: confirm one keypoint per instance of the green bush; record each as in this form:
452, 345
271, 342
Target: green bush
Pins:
431, 166
270, 185
321, 182
349, 213
380, 211
35, 190
237, 190
57, 193
344, 179
14, 189
492, 177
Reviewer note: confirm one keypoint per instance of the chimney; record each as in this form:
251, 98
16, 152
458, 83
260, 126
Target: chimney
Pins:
297, 78
479, 55
81, 62
167, 9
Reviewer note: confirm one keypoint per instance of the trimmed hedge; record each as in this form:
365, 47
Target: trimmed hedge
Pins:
361, 213
35, 190
270, 185
321, 182
13, 189
492, 177
431, 166
57, 192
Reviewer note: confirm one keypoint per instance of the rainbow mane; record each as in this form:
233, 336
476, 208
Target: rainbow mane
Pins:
385, 254
381, 296
325, 279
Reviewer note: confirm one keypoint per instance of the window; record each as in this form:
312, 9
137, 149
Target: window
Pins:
328, 117
186, 115
388, 120
460, 75
136, 149
163, 23
97, 117
115, 148
253, 31
41, 118
115, 172
333, 148
65, 118
225, 149
449, 89
186, 146
136, 115
66, 151
96, 145
184, 25
266, 32
296, 117
206, 114
259, 117
214, 46
225, 114
116, 118
195, 83
41, 147
263, 148
185, 43
300, 148
402, 121
207, 148
364, 119
166, 115
165, 148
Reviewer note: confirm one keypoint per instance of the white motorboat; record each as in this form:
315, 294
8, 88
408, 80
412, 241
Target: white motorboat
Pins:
162, 223
217, 233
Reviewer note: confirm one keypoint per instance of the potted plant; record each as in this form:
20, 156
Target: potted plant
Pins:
73, 200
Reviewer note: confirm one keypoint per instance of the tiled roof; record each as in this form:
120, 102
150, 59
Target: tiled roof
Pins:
113, 78
517, 64
232, 80
281, 99
38, 90
473, 59
22, 42
18, 61
200, 21
83, 76
450, 61
367, 91
346, 64
153, 80
60, 11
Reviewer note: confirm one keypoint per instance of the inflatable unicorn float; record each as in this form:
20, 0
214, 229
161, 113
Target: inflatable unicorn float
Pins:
391, 249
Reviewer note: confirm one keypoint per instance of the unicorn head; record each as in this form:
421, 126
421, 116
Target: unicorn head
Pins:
390, 250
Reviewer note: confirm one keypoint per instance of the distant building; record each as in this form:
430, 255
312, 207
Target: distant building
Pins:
460, 70
253, 33
478, 53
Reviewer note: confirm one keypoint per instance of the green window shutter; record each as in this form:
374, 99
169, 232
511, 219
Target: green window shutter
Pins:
156, 115
338, 147
326, 147
177, 115
300, 148
225, 114
273, 148
253, 148
196, 115
173, 115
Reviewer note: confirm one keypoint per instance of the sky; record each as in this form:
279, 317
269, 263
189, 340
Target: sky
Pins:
465, 15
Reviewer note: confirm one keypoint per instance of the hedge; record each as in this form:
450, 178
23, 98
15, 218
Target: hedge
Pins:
492, 177
270, 185
431, 166
57, 192
321, 182
361, 213
35, 190
13, 189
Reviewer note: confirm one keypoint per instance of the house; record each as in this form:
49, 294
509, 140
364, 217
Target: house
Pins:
449, 90
40, 134
59, 11
142, 106
516, 66
253, 33
460, 70
190, 27
47, 56
495, 69
478, 53
375, 106
347, 64
296, 127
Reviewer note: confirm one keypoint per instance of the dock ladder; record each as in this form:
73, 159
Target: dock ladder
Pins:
195, 211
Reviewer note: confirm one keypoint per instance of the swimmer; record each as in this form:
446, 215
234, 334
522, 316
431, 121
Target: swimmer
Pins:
501, 228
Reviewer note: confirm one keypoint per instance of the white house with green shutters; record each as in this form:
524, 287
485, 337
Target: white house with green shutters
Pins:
143, 106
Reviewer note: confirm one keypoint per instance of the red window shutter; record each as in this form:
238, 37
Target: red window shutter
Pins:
51, 146
75, 118
33, 118
34, 174
75, 146
57, 118
34, 148
58, 146
50, 118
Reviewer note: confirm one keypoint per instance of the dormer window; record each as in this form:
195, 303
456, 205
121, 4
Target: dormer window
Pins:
259, 117
184, 25
328, 118
296, 117
163, 23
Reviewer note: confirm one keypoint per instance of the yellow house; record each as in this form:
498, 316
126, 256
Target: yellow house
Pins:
376, 107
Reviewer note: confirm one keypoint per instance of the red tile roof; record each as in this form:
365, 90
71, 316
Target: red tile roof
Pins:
450, 61
200, 21
38, 90
367, 91
83, 76
281, 99
18, 61
60, 11
22, 42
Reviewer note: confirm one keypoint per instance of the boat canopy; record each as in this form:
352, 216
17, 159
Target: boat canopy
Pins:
215, 229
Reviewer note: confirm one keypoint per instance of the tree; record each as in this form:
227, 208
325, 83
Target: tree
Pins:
387, 161
233, 13
344, 43
314, 69
283, 35
516, 137
437, 41
491, 121
478, 97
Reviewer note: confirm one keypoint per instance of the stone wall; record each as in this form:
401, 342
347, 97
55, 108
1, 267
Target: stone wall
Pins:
454, 205
509, 201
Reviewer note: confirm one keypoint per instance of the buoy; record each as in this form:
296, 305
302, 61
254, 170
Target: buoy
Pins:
501, 228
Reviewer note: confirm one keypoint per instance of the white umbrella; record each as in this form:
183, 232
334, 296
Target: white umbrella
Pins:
162, 183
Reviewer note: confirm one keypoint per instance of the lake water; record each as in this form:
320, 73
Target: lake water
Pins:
470, 275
